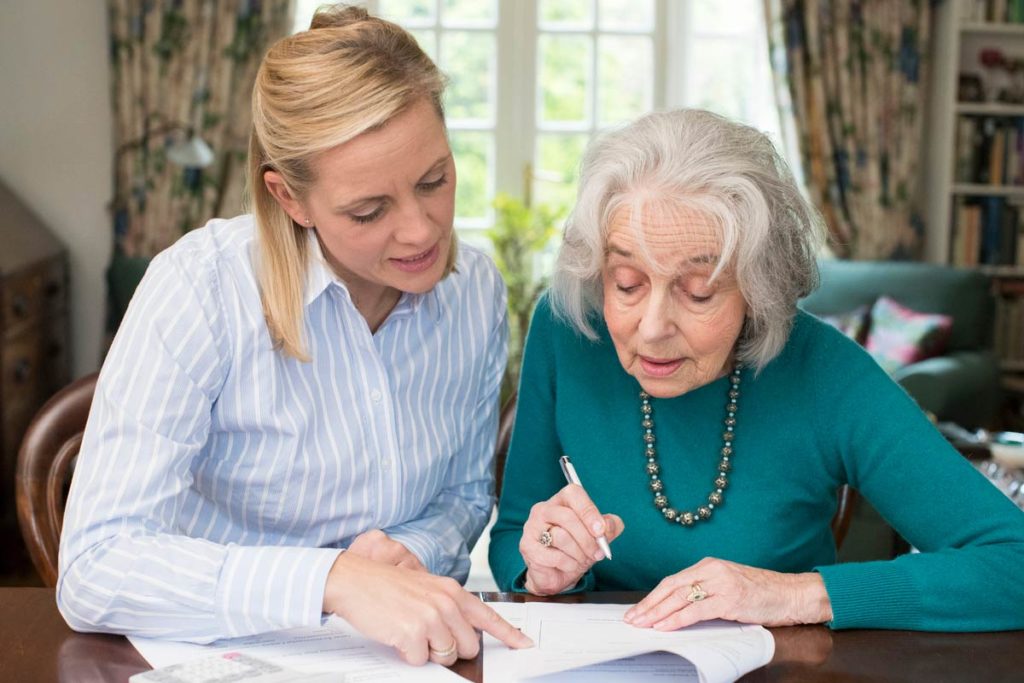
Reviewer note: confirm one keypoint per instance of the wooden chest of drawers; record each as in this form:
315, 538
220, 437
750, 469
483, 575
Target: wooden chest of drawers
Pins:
34, 335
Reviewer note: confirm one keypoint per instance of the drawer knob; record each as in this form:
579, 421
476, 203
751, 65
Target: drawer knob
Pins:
22, 371
19, 304
52, 289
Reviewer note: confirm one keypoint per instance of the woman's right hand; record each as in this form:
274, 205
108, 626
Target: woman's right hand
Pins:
423, 616
574, 523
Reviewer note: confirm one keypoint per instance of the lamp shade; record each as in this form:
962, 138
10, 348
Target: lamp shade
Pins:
192, 153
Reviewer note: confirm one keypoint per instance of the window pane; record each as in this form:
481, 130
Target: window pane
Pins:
626, 77
626, 15
468, 59
476, 12
734, 16
473, 161
408, 12
721, 77
566, 13
427, 40
557, 166
564, 75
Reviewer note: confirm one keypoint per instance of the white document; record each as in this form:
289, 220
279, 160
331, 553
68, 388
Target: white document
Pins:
591, 642
335, 647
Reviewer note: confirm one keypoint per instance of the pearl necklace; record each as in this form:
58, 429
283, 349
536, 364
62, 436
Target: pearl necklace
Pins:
716, 497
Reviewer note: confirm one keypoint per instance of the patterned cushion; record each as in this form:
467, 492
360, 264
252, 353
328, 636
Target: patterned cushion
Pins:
900, 336
854, 324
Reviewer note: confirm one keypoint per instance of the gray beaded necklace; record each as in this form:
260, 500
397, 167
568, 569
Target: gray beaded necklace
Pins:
687, 518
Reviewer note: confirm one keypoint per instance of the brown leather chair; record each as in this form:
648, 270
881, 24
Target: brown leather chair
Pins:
44, 468
840, 521
505, 422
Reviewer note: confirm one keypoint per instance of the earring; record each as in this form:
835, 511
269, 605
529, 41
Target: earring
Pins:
308, 221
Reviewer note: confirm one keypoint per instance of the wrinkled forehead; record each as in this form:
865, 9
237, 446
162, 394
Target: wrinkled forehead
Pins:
665, 237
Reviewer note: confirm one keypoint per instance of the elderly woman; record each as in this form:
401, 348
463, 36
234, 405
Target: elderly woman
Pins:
717, 422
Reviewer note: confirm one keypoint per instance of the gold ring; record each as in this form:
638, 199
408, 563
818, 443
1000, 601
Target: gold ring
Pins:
545, 539
697, 593
447, 652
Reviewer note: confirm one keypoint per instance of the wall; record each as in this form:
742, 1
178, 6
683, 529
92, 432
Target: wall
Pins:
55, 140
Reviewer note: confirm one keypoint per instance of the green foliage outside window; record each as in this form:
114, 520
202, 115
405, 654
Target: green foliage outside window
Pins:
520, 232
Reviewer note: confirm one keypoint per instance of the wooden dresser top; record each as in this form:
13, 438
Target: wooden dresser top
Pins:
24, 238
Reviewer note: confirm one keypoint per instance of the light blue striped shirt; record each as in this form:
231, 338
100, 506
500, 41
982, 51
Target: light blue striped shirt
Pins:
218, 478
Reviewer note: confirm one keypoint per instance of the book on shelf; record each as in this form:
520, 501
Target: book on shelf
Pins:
975, 11
998, 11
967, 142
1009, 247
1010, 327
1019, 261
987, 231
966, 228
992, 217
1009, 331
1015, 11
989, 150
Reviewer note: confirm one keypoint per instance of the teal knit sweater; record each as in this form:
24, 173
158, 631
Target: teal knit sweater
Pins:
820, 415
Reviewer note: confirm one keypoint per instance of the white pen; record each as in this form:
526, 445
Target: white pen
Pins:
570, 476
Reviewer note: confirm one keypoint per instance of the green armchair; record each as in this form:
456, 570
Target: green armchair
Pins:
123, 275
962, 385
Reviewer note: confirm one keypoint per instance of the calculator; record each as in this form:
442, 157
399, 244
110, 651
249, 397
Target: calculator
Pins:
225, 667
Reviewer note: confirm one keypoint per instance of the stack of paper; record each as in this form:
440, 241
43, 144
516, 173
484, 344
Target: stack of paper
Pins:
573, 643
592, 643
335, 647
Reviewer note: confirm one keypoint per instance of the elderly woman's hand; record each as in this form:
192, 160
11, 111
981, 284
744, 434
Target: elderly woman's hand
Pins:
559, 542
718, 589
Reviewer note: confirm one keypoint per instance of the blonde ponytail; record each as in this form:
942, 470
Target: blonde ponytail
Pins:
314, 91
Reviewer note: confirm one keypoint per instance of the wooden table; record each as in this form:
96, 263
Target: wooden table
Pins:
38, 646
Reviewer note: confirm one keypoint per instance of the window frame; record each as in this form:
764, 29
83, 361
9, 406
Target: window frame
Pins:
516, 125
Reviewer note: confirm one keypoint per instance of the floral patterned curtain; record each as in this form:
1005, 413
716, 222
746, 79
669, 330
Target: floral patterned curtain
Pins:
182, 66
853, 72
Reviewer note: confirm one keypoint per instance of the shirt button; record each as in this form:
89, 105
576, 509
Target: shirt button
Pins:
376, 395
385, 464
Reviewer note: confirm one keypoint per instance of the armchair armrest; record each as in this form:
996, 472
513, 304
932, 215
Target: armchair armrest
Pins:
962, 387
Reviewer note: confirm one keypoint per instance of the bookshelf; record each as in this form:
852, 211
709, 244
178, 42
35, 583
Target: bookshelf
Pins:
974, 157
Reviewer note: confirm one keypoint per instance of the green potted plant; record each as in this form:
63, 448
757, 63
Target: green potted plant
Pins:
520, 232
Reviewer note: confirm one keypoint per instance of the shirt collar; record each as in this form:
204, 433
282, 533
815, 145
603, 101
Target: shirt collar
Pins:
320, 276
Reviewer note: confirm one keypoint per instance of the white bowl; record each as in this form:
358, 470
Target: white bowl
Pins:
1007, 455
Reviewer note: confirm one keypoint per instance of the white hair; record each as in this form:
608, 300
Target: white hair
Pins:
695, 161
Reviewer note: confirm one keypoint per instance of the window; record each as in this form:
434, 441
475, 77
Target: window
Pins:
727, 66
532, 80
460, 36
594, 67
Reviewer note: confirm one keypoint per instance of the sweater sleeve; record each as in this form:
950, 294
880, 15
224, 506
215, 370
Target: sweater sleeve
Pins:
532, 473
970, 536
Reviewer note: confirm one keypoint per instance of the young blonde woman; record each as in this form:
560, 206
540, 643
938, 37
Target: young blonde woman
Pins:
298, 412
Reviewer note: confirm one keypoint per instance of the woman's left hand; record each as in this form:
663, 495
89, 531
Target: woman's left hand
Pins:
735, 592
379, 547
